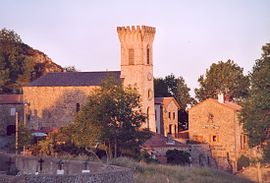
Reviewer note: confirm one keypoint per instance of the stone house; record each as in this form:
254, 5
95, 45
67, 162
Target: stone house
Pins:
54, 98
216, 123
9, 105
166, 115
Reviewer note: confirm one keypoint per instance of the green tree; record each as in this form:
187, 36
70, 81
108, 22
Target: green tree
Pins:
223, 77
177, 157
111, 119
171, 86
256, 108
15, 67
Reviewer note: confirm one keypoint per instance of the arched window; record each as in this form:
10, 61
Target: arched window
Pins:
147, 55
78, 107
147, 114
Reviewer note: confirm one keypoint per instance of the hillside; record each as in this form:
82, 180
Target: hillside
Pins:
20, 63
156, 173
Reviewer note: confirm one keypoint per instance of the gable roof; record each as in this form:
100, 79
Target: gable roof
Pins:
158, 140
231, 105
166, 101
75, 78
11, 99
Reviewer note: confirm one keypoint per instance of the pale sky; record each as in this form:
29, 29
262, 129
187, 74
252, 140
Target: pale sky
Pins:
190, 35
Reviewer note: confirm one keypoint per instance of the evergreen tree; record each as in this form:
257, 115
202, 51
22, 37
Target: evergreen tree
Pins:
256, 108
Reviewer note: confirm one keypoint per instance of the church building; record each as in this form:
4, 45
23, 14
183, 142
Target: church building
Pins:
54, 99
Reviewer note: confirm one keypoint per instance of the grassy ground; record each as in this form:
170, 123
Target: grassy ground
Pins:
155, 173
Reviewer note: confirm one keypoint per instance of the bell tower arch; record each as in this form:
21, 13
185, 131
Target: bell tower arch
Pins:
137, 65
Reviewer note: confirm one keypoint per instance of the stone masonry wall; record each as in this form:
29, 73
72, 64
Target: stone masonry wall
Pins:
54, 106
172, 108
6, 118
209, 119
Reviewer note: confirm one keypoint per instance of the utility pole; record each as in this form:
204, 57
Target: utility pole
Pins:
24, 124
17, 134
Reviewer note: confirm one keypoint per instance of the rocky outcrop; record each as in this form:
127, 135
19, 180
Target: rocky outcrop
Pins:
42, 63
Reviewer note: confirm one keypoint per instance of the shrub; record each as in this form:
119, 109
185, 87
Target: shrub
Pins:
243, 161
178, 157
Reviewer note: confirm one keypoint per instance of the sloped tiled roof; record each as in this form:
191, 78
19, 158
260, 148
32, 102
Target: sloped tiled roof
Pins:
231, 105
165, 101
11, 99
75, 78
158, 140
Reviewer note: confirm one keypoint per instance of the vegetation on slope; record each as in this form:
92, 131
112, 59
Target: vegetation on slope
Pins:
157, 173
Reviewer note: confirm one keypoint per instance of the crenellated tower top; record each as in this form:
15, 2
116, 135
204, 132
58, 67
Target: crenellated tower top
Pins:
136, 33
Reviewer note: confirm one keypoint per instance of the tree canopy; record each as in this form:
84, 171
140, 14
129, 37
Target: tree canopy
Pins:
171, 86
223, 77
18, 62
12, 63
256, 108
111, 117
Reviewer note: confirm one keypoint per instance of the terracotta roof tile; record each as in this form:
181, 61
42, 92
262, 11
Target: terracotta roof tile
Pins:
11, 99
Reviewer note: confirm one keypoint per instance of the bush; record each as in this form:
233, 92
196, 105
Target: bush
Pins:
242, 162
178, 157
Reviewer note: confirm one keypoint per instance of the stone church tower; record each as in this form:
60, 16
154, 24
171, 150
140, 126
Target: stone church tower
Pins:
137, 65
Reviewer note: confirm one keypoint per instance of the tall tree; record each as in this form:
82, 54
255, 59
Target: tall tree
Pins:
223, 77
171, 86
256, 108
111, 116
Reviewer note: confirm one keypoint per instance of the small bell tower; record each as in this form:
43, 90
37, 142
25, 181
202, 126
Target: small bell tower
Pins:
137, 65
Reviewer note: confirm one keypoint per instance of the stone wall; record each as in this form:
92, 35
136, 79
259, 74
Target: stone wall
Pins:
217, 125
54, 106
27, 167
122, 176
6, 118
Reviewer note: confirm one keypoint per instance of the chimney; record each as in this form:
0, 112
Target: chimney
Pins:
221, 98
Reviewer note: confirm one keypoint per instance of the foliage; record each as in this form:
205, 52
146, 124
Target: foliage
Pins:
177, 157
158, 173
243, 161
18, 64
146, 157
266, 152
12, 62
256, 108
110, 120
174, 87
24, 136
223, 77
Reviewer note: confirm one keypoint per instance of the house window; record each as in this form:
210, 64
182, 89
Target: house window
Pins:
173, 115
131, 56
147, 114
148, 56
214, 138
12, 111
78, 107
169, 115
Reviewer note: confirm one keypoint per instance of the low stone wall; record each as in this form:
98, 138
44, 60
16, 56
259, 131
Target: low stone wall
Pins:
105, 177
27, 166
